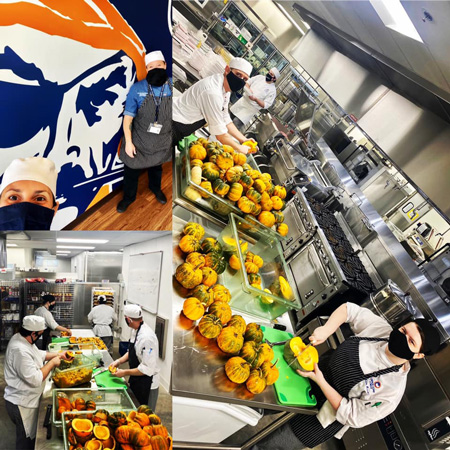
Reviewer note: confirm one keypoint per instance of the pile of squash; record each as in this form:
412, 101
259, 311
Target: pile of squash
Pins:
79, 404
220, 170
139, 430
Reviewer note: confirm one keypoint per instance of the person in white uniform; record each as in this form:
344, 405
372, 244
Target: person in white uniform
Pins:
48, 304
25, 374
260, 93
142, 357
103, 318
362, 382
207, 101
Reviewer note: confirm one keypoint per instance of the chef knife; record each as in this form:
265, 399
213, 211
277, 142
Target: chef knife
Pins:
101, 371
47, 421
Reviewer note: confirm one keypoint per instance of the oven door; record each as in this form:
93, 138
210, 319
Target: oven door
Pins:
298, 230
311, 278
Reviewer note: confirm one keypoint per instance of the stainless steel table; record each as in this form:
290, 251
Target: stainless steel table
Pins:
198, 364
56, 441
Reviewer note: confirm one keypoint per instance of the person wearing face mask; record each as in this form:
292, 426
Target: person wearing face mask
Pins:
361, 382
25, 373
261, 93
206, 102
28, 194
44, 311
142, 357
147, 128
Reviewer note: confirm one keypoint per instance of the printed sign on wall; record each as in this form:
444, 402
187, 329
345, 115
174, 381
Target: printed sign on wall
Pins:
65, 70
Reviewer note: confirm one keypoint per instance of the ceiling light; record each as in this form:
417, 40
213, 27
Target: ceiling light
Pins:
291, 19
82, 241
394, 16
63, 251
75, 247
11, 245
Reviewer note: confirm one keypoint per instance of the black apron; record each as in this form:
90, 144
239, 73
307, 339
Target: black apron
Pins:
151, 149
140, 385
342, 371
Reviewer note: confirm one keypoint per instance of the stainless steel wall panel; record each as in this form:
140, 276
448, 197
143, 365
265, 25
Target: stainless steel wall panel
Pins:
417, 142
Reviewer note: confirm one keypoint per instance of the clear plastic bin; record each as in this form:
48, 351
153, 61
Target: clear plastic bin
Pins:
79, 371
245, 297
111, 399
219, 205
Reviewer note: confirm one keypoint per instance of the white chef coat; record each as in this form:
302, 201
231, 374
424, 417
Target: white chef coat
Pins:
102, 316
245, 109
146, 347
206, 99
374, 398
50, 321
24, 380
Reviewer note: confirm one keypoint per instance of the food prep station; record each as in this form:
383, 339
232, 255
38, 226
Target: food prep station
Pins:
49, 430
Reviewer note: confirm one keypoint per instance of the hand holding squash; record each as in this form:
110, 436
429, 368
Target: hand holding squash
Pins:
315, 375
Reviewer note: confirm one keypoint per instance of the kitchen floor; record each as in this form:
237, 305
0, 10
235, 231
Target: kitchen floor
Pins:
247, 432
7, 428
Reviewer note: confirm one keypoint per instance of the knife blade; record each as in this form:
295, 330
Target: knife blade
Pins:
309, 345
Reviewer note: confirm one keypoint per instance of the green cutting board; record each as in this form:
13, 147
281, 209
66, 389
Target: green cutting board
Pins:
60, 340
186, 141
106, 380
291, 388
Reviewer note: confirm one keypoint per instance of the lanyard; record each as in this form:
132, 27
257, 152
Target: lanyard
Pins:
157, 103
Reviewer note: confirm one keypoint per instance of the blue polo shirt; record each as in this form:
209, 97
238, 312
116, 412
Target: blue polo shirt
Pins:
137, 94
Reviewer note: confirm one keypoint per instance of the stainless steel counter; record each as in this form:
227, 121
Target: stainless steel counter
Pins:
198, 363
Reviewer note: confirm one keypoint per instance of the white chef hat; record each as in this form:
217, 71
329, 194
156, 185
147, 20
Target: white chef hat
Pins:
33, 323
275, 72
132, 311
154, 56
241, 64
35, 168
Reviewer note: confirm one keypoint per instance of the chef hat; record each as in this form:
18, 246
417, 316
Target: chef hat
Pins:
241, 64
132, 311
36, 168
430, 337
275, 72
154, 56
33, 323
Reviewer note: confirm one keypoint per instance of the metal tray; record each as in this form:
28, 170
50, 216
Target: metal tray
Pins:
111, 399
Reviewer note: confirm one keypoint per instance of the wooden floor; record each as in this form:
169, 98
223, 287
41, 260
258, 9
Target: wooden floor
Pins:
146, 213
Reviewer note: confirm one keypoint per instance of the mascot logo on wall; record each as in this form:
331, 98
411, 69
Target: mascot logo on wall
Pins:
65, 70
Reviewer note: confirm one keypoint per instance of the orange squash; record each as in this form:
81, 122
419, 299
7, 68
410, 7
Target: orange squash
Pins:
210, 326
134, 436
253, 332
82, 427
109, 443
238, 323
222, 311
267, 219
101, 432
230, 340
256, 382
237, 370
94, 444
221, 293
234, 262
142, 419
270, 372
193, 308
204, 294
283, 229
209, 276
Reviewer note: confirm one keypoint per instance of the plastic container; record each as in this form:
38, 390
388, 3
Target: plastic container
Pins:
111, 399
75, 373
209, 422
247, 298
219, 205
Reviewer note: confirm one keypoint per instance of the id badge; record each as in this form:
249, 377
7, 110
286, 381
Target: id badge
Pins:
154, 128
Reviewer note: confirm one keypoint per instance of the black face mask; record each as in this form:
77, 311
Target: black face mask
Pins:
236, 83
25, 216
157, 77
398, 345
269, 77
34, 340
52, 306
